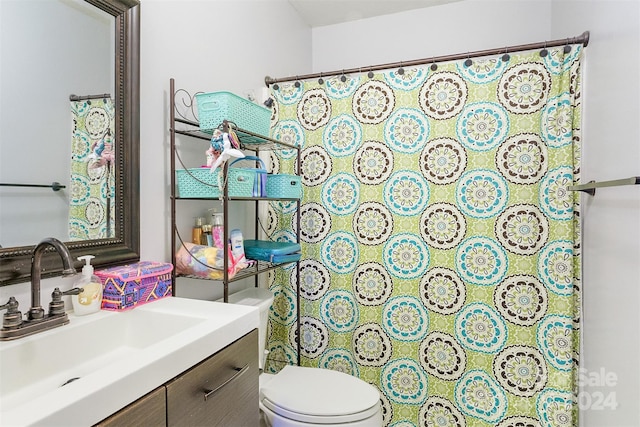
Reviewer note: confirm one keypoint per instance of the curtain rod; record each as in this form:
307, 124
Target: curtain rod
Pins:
81, 98
582, 39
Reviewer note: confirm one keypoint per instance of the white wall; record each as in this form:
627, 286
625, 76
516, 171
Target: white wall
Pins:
611, 219
206, 46
611, 246
459, 27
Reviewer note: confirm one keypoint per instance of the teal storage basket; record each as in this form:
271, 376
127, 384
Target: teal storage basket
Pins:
242, 182
246, 182
198, 182
216, 107
284, 186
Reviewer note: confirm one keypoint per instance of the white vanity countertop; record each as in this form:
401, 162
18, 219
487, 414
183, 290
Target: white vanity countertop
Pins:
133, 369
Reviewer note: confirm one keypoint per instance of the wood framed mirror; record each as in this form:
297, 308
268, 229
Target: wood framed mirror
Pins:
123, 244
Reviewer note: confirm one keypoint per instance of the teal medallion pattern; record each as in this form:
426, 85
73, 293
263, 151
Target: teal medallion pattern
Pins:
406, 193
404, 381
481, 261
555, 408
482, 193
342, 136
407, 130
290, 132
478, 395
339, 311
406, 256
554, 338
555, 267
482, 126
480, 328
340, 252
405, 319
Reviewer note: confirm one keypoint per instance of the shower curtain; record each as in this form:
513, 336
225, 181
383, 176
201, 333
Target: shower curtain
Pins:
92, 204
441, 247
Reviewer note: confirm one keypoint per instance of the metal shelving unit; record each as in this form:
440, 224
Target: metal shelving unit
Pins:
180, 124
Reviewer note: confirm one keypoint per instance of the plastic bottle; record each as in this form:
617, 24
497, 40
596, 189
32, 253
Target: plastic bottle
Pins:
90, 299
237, 244
207, 239
196, 233
217, 229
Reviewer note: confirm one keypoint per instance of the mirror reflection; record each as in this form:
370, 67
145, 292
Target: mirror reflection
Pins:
47, 135
70, 131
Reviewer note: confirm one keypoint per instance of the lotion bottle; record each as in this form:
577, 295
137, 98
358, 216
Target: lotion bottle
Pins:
237, 245
90, 299
217, 229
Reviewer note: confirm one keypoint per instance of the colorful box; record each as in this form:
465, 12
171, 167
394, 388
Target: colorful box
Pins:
128, 286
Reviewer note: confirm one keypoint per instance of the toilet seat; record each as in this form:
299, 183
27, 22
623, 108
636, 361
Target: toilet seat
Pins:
319, 396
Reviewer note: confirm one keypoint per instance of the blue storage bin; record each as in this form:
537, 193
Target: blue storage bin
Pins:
215, 107
284, 186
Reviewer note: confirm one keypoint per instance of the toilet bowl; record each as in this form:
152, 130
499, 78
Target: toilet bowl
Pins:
301, 396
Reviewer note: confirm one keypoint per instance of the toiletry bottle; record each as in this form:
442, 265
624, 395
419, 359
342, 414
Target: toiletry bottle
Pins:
90, 299
217, 230
206, 235
237, 245
196, 233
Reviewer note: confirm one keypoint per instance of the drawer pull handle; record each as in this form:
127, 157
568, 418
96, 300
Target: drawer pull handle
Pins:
240, 371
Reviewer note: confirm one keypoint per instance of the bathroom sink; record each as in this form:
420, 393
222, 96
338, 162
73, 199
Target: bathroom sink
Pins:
82, 372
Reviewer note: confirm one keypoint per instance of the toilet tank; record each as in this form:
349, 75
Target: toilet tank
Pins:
261, 298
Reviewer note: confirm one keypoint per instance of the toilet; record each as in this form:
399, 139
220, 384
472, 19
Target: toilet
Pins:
301, 396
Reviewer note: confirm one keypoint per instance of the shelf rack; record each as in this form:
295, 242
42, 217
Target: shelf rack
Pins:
185, 122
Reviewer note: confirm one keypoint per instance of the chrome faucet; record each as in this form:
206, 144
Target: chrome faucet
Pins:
36, 321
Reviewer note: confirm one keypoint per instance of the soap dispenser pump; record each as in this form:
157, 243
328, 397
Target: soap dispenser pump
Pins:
90, 299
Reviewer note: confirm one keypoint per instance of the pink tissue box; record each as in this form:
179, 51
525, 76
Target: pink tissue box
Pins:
128, 286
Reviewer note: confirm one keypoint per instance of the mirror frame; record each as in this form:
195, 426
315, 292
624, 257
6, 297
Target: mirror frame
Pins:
15, 262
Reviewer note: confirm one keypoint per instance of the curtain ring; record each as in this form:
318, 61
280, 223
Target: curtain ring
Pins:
468, 62
297, 83
370, 73
506, 56
320, 80
434, 66
401, 70
343, 78
567, 47
544, 52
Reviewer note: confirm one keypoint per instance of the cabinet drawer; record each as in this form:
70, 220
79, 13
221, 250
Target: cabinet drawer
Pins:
220, 391
149, 410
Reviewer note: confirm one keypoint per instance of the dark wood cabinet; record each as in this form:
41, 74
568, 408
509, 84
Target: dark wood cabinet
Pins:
149, 410
220, 391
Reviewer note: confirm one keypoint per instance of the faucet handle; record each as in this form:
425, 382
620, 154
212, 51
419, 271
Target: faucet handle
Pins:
13, 317
56, 306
